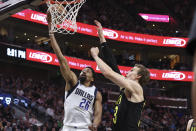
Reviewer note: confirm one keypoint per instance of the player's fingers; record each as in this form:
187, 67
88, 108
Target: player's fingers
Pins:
90, 127
96, 21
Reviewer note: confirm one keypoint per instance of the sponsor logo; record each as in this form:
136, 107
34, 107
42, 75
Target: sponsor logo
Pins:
174, 75
44, 57
39, 17
110, 33
175, 41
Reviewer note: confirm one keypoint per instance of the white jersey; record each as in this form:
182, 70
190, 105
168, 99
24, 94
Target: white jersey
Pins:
79, 106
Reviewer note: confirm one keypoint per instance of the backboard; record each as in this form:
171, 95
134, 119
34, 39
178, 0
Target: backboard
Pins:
9, 7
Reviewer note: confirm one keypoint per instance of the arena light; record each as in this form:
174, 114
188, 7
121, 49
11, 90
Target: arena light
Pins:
128, 37
155, 17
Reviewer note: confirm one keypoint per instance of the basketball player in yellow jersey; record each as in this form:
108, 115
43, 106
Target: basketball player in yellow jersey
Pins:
130, 103
82, 104
191, 126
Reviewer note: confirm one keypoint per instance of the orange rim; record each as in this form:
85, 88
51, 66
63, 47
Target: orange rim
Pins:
64, 2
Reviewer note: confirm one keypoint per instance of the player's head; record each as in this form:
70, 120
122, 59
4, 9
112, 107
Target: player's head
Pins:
87, 75
140, 73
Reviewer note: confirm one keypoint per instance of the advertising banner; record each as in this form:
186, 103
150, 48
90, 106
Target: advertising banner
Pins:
128, 37
76, 63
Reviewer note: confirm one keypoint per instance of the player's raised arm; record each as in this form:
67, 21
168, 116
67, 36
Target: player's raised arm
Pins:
66, 72
118, 79
105, 51
100, 32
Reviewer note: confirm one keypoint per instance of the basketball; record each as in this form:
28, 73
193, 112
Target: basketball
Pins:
58, 13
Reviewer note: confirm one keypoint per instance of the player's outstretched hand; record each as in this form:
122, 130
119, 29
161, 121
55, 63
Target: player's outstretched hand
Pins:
98, 24
99, 27
93, 127
100, 31
94, 51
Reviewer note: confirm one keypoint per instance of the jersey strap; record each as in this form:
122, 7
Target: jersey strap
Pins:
72, 89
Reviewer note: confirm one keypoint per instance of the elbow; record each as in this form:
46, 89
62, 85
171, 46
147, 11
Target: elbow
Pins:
62, 60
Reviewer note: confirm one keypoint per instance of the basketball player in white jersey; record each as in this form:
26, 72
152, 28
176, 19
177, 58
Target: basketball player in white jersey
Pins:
82, 106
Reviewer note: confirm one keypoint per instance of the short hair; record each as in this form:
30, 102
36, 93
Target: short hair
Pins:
145, 74
93, 72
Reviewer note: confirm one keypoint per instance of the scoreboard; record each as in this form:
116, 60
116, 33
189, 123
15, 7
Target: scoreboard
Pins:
9, 99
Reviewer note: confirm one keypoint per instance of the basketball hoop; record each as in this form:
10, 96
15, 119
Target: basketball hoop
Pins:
63, 15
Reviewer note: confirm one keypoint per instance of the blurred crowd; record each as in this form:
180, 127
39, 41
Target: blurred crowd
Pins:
45, 111
179, 10
164, 119
46, 102
176, 9
8, 122
124, 16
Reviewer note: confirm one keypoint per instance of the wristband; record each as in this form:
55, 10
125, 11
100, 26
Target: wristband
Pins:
51, 33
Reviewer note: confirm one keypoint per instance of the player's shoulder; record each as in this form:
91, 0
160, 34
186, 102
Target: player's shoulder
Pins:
135, 86
191, 120
189, 124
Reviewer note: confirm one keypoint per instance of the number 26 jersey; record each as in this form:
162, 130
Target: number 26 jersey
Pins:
79, 106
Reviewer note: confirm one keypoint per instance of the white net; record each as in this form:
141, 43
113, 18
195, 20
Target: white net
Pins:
63, 15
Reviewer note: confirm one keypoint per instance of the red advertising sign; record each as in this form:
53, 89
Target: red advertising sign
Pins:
128, 37
49, 58
171, 75
75, 63
155, 18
